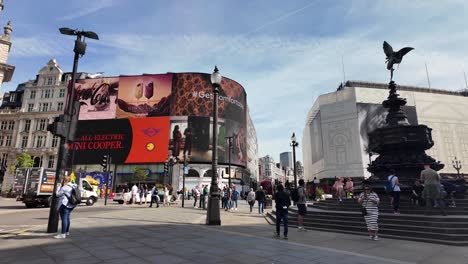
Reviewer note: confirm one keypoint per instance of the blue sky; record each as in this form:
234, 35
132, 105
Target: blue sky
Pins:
284, 53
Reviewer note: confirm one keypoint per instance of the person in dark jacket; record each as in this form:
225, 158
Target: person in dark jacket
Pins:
283, 201
260, 197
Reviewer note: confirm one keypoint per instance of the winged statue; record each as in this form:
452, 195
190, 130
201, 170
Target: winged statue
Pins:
394, 57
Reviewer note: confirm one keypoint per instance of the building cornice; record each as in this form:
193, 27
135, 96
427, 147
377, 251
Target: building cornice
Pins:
7, 71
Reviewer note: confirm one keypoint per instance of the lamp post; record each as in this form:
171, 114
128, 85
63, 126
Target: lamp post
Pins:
69, 121
457, 165
294, 144
183, 180
230, 150
213, 216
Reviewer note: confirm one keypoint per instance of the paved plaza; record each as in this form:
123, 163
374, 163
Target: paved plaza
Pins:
137, 234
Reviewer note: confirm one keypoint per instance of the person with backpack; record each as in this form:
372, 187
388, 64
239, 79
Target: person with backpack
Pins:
235, 197
301, 205
69, 196
393, 187
282, 202
154, 197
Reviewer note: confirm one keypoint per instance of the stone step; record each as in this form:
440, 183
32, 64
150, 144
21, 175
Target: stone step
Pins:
449, 211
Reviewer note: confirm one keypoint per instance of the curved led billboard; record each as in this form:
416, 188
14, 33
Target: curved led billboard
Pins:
175, 108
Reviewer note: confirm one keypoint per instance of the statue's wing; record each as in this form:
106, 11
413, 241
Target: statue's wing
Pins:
403, 51
387, 49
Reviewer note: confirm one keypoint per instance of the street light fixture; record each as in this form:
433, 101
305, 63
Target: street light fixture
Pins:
213, 216
67, 121
294, 144
457, 165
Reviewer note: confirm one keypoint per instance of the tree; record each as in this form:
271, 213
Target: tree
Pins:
140, 174
22, 161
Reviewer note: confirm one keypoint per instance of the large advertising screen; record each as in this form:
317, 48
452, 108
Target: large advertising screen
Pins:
132, 140
144, 96
186, 99
97, 97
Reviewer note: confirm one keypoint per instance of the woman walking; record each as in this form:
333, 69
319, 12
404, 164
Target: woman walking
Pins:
251, 199
64, 206
370, 201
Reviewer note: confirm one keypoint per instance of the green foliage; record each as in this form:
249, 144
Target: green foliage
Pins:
22, 161
139, 174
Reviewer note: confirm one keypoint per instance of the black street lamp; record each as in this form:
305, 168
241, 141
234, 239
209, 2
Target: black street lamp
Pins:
230, 146
457, 165
65, 125
294, 144
213, 216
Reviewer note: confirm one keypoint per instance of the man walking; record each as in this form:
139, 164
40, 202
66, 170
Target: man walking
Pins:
196, 196
154, 197
431, 192
205, 196
283, 202
260, 196
301, 205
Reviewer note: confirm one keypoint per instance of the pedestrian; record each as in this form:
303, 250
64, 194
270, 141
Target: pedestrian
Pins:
431, 193
301, 205
166, 196
205, 196
196, 196
394, 191
370, 201
417, 194
235, 197
143, 190
251, 199
349, 188
154, 196
223, 198
64, 206
125, 191
338, 186
134, 193
202, 196
282, 201
260, 197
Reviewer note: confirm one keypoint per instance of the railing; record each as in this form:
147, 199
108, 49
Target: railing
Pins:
9, 111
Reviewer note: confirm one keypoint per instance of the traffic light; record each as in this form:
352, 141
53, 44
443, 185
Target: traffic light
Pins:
166, 168
105, 161
58, 127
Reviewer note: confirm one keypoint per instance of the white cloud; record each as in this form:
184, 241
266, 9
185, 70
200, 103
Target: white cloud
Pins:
89, 8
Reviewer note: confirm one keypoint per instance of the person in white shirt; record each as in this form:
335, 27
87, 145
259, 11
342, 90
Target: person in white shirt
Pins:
134, 193
64, 206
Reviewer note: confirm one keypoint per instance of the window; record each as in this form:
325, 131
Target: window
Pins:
44, 107
30, 107
27, 125
4, 125
41, 124
47, 94
60, 106
39, 141
4, 159
8, 141
32, 95
2, 140
55, 141
51, 162
11, 125
13, 97
50, 81
24, 142
62, 93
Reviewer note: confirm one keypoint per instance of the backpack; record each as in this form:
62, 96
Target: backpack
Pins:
388, 184
75, 197
295, 195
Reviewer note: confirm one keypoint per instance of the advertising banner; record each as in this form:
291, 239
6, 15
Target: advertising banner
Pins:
133, 140
47, 181
97, 178
97, 97
193, 96
144, 95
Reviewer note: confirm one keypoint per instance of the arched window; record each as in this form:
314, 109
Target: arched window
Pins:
193, 173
